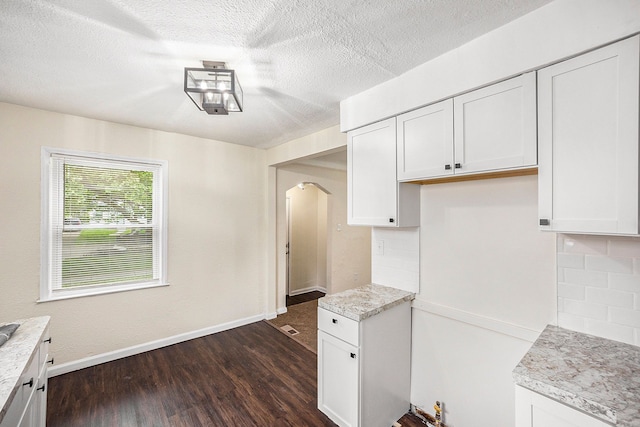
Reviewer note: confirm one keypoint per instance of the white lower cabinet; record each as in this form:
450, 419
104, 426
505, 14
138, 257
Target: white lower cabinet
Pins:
29, 405
536, 410
338, 379
364, 367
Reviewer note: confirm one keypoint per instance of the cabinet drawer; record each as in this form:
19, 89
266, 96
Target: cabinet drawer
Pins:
339, 326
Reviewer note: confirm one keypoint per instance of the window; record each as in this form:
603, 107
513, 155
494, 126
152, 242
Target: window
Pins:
103, 224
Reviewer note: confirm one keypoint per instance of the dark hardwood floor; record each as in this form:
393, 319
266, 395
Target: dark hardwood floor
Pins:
309, 296
248, 376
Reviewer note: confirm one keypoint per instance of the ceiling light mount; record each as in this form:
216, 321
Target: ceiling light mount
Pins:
214, 88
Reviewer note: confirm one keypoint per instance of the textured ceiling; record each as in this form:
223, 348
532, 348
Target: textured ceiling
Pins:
123, 60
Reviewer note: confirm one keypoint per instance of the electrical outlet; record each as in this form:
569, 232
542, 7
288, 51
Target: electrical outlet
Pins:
379, 247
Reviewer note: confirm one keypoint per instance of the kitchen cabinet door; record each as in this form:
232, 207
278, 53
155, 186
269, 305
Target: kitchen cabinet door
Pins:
425, 142
588, 141
375, 197
535, 410
338, 380
495, 127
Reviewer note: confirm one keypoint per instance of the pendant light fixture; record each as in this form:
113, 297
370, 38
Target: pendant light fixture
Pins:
214, 88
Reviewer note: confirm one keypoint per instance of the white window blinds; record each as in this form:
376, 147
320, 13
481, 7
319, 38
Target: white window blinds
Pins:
105, 224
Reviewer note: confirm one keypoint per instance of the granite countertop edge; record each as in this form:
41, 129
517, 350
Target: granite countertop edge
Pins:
17, 353
371, 299
591, 374
570, 399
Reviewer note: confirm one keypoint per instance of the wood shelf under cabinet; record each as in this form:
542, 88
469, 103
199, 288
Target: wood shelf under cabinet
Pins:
478, 176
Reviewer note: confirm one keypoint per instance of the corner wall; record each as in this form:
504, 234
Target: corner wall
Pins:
217, 235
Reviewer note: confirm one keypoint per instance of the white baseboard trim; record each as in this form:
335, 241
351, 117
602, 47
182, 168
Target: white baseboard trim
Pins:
473, 319
276, 313
87, 362
309, 289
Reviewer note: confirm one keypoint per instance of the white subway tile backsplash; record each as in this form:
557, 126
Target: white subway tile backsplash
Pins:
570, 260
586, 309
601, 296
628, 247
610, 297
585, 278
612, 331
570, 321
623, 316
593, 245
609, 264
574, 292
625, 282
399, 263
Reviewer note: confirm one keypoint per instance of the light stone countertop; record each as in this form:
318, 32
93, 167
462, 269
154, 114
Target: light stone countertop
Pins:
598, 376
365, 301
15, 356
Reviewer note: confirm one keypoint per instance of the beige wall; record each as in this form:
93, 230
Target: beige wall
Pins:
307, 239
217, 234
349, 250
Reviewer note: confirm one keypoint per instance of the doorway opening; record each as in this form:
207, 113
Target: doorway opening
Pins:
307, 218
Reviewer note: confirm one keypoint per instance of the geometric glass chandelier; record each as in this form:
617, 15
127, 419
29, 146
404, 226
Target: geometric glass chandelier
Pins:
213, 88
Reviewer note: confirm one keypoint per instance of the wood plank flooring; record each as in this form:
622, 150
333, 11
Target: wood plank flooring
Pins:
248, 376
308, 296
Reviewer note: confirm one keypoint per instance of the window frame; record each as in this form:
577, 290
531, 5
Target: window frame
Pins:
47, 241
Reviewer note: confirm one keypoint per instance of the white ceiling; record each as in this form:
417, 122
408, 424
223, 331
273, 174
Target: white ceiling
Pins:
123, 60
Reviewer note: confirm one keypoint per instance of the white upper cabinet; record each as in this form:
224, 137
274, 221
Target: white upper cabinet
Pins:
588, 140
489, 129
495, 127
375, 197
425, 141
